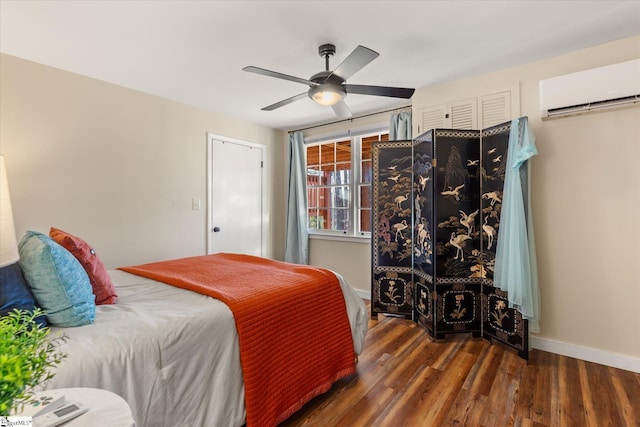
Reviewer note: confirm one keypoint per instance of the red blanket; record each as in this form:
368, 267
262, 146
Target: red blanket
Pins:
295, 338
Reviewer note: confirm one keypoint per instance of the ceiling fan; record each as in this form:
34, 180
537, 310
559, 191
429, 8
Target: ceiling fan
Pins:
330, 87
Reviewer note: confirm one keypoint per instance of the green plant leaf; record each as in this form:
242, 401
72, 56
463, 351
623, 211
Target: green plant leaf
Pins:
27, 357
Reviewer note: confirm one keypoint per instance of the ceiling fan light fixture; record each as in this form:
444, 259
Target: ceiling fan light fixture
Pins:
327, 94
329, 88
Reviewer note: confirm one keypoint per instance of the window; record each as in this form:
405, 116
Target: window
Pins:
339, 184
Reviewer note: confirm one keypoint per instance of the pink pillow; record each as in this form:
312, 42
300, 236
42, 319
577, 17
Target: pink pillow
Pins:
101, 283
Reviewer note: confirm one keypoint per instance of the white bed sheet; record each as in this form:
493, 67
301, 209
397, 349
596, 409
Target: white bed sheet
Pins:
172, 354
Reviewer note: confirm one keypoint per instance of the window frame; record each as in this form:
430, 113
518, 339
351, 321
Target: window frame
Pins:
356, 182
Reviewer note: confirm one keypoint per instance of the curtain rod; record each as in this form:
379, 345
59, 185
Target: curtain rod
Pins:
352, 118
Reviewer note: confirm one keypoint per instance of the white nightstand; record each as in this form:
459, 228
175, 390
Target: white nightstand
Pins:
106, 409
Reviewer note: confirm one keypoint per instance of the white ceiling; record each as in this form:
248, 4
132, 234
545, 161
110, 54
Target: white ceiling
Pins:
194, 51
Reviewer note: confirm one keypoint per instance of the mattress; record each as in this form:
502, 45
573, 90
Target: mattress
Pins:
172, 354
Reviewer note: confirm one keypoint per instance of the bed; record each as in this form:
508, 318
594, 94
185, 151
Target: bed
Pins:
171, 353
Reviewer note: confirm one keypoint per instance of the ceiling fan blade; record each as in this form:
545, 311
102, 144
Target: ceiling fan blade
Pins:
356, 60
393, 92
277, 75
285, 102
341, 110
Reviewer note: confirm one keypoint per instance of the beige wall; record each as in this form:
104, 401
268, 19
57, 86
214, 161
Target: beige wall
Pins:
586, 201
115, 166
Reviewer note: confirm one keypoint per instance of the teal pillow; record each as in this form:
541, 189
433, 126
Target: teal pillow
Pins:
58, 281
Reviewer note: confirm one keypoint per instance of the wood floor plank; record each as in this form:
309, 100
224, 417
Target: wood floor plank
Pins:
467, 409
570, 393
602, 391
393, 341
501, 401
447, 352
555, 412
405, 403
525, 422
481, 377
627, 394
533, 399
406, 366
588, 399
406, 379
432, 408
368, 408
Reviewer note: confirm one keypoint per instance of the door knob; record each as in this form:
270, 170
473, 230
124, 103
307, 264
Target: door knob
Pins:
216, 229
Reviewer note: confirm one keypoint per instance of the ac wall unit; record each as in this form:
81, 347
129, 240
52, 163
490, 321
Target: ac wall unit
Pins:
611, 86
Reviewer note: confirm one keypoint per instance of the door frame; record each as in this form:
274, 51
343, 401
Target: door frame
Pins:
211, 137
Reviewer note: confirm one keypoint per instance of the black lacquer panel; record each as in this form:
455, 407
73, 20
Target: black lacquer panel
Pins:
495, 142
458, 260
456, 195
499, 321
392, 219
424, 309
423, 230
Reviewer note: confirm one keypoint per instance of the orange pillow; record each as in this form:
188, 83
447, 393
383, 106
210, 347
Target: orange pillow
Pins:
101, 282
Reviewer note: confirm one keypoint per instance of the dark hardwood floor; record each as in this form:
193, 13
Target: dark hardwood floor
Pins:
405, 379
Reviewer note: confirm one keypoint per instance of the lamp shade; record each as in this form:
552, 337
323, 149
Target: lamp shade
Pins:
327, 94
8, 245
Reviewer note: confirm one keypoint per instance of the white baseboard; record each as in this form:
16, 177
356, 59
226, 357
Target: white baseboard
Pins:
589, 354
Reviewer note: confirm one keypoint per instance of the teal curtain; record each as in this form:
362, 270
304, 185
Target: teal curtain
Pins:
297, 238
400, 126
516, 265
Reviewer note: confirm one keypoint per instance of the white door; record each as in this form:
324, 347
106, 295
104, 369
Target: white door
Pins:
235, 202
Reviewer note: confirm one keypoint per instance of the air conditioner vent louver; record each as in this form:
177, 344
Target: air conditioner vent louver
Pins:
627, 101
610, 87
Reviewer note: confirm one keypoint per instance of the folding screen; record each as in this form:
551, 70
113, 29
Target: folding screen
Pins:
435, 227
